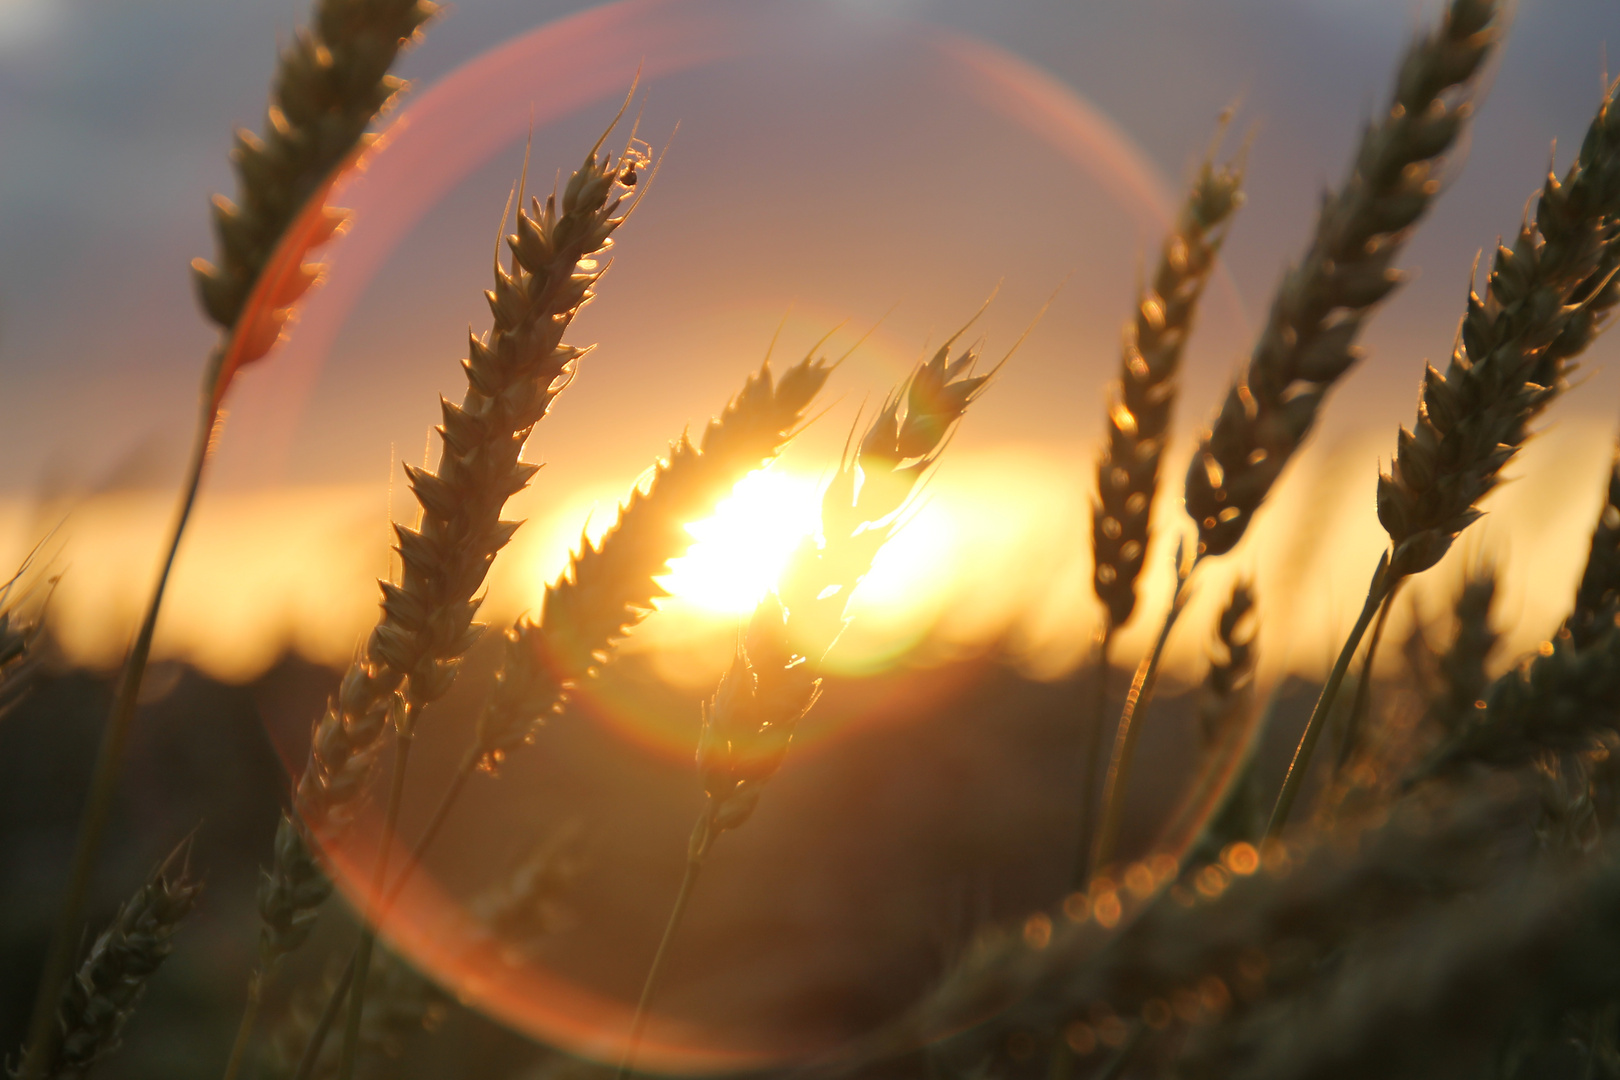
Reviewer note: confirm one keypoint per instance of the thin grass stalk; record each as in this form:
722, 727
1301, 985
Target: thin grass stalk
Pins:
1377, 592
339, 992
703, 834
1228, 729
1128, 731
93, 818
1363, 696
1093, 758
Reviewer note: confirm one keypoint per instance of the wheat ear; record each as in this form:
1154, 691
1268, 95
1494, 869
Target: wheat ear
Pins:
774, 678
1141, 402
1546, 299
331, 83
99, 1000
1309, 339
1139, 414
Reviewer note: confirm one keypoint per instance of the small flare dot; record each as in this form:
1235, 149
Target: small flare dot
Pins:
1080, 1038
1241, 859
1038, 930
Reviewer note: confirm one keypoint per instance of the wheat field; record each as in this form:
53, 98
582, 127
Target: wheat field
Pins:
810, 539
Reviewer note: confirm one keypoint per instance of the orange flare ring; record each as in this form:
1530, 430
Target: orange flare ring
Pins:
285, 278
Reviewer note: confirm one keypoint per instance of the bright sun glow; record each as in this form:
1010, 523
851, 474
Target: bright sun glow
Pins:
742, 548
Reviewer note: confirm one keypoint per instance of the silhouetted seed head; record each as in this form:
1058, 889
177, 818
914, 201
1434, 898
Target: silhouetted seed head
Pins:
113, 976
1597, 598
774, 678
1139, 411
1546, 299
1309, 338
331, 81
749, 722
867, 494
609, 585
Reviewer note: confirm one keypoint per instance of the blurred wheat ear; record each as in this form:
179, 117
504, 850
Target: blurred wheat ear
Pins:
113, 976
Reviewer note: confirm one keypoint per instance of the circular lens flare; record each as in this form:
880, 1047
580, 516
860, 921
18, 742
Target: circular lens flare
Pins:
801, 911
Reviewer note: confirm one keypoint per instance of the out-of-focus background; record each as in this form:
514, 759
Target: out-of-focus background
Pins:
869, 170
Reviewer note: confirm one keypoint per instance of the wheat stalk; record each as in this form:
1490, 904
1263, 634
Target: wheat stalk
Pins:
1139, 415
1141, 401
1227, 727
1546, 299
330, 85
1308, 343
514, 372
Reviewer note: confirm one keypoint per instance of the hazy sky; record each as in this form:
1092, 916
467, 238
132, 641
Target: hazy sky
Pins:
115, 119
836, 161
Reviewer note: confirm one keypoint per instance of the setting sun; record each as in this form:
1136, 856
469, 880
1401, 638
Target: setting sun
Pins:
742, 548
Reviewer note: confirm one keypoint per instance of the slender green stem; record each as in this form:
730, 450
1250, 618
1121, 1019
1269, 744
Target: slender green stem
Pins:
42, 1029
1359, 703
1093, 755
250, 1016
405, 736
1125, 736
703, 835
1380, 588
340, 990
